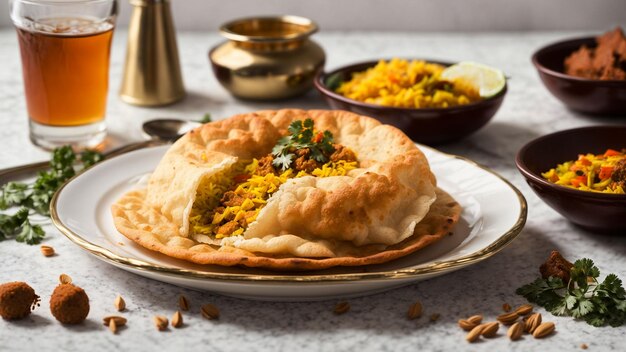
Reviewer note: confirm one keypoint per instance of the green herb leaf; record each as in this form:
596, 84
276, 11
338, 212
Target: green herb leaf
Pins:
333, 82
597, 303
582, 308
62, 162
206, 118
8, 226
543, 292
43, 189
302, 135
37, 196
13, 193
90, 157
595, 319
283, 161
12, 225
582, 269
31, 234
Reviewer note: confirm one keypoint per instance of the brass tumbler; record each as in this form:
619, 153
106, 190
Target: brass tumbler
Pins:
152, 74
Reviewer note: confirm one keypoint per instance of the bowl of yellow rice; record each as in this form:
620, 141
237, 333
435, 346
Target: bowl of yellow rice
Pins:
410, 95
580, 173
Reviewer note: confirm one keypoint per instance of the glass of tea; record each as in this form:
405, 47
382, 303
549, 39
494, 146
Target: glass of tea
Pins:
65, 46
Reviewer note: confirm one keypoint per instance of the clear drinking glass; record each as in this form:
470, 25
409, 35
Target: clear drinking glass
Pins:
65, 46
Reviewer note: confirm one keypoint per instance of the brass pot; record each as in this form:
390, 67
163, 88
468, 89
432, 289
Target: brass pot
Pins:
267, 58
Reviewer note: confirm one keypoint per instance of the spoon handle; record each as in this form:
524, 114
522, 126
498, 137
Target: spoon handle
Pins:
12, 173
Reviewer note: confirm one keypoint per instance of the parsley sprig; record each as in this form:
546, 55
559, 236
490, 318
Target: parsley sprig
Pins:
35, 198
302, 135
584, 297
206, 118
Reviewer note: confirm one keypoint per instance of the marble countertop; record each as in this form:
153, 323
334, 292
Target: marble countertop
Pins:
374, 323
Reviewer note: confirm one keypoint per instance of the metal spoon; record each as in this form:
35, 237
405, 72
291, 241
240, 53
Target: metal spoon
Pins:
168, 130
160, 131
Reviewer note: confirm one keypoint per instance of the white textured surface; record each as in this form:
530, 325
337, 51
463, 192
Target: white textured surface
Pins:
374, 323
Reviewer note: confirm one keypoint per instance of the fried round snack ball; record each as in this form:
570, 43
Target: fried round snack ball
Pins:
17, 299
69, 304
556, 266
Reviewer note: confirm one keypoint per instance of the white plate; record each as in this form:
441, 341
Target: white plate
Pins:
494, 212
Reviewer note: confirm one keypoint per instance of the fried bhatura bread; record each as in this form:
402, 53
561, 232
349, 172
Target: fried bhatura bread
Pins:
386, 208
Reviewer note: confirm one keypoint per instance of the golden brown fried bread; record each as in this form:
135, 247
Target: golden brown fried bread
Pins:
377, 212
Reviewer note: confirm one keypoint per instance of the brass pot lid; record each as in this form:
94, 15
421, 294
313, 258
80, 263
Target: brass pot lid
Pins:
268, 29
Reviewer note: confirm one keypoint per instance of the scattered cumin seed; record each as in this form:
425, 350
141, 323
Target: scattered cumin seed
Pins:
584, 346
506, 307
434, 317
341, 308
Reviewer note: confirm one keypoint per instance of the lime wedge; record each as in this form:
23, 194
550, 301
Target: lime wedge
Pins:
488, 80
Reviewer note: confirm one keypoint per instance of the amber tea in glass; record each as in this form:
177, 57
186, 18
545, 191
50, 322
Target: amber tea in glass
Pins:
65, 49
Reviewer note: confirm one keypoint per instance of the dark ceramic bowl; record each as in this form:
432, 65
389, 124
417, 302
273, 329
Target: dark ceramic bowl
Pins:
428, 126
598, 212
585, 95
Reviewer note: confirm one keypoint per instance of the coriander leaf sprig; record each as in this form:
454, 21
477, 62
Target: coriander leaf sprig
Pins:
584, 297
302, 135
35, 198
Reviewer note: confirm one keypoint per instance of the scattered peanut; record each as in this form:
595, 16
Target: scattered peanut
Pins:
508, 318
183, 303
515, 331
119, 321
543, 330
474, 334
160, 322
210, 311
532, 323
342, 307
65, 279
415, 310
524, 309
47, 251
177, 320
119, 303
490, 329
113, 326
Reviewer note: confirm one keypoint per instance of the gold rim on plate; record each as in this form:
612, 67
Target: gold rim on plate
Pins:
432, 268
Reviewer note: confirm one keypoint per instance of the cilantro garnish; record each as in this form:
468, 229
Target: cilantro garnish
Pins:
302, 135
584, 297
206, 118
35, 198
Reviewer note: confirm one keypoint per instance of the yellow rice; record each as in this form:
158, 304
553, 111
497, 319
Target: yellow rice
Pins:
408, 84
205, 221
